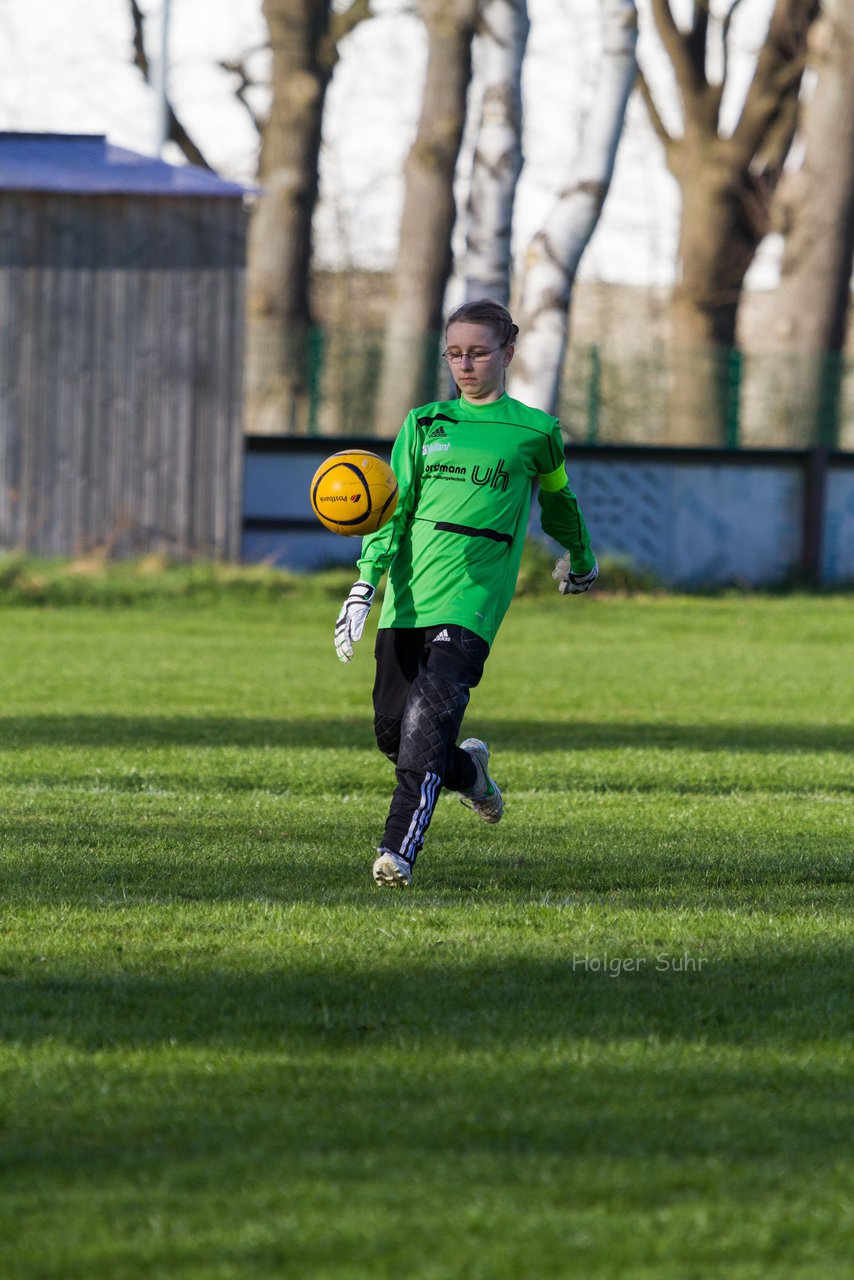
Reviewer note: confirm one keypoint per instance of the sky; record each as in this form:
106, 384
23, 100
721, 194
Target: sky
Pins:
66, 66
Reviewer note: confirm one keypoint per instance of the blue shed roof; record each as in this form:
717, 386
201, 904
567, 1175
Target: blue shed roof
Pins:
87, 164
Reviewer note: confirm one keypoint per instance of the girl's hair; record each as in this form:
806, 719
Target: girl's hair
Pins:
485, 311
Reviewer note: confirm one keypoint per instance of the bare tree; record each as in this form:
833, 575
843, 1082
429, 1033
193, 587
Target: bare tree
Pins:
305, 37
424, 257
499, 51
816, 204
726, 184
553, 256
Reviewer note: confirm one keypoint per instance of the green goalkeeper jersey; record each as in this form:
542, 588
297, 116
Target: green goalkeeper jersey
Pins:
454, 544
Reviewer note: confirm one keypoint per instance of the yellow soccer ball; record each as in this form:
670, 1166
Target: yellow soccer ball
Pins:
353, 493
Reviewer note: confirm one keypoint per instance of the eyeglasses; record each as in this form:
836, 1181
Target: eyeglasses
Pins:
476, 357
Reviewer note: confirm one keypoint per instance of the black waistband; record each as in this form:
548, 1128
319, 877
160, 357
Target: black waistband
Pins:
473, 533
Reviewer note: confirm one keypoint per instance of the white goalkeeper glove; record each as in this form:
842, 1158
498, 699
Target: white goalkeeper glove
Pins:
572, 584
351, 620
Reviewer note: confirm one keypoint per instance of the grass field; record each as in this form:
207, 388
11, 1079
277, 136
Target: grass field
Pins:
611, 1037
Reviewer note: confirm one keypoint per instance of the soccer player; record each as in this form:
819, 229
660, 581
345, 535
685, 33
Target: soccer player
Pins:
465, 468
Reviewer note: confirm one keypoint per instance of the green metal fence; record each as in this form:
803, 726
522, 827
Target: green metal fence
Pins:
614, 396
729, 398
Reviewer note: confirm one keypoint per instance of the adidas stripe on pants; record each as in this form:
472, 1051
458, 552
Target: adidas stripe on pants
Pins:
424, 676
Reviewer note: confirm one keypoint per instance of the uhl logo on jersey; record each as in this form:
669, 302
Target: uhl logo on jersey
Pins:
496, 478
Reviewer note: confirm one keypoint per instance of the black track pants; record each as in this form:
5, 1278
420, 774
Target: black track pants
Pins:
421, 691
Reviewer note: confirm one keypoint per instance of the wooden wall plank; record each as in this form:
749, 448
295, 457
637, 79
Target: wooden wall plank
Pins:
121, 349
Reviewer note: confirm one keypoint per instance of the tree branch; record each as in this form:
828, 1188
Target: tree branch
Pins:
174, 128
676, 46
185, 144
727, 23
343, 23
659, 128
237, 67
777, 76
140, 57
778, 140
340, 25
695, 42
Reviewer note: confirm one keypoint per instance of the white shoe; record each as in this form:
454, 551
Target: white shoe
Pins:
391, 871
485, 796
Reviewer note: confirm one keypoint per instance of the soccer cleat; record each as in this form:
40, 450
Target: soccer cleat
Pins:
391, 871
485, 796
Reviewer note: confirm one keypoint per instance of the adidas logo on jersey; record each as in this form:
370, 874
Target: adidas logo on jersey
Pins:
437, 431
443, 635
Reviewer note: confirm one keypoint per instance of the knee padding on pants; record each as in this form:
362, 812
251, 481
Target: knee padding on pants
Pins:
387, 734
431, 722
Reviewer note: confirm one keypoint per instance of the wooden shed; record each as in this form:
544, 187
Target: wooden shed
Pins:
121, 351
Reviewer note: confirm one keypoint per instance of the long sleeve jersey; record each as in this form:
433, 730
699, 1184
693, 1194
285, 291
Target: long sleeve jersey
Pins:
453, 547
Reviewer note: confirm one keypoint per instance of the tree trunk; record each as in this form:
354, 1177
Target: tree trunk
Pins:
718, 236
726, 184
278, 313
304, 37
410, 355
817, 205
552, 259
499, 53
